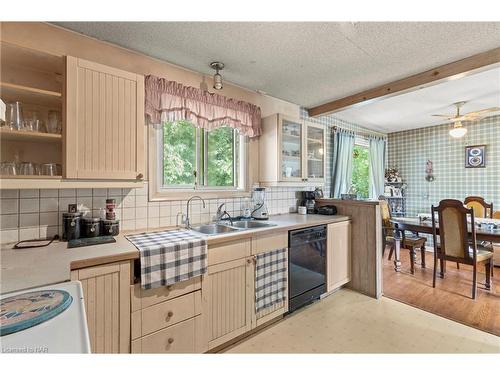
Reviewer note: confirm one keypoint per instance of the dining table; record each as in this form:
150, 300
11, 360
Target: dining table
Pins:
417, 225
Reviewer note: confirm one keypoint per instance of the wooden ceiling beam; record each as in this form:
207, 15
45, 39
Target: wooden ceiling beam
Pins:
473, 64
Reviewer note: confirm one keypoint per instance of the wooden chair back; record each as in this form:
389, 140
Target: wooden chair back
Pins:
453, 233
385, 211
480, 207
496, 215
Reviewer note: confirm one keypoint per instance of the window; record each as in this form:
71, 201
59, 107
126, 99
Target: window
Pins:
361, 168
191, 157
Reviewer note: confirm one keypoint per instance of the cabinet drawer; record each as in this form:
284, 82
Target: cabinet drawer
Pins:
141, 298
271, 242
165, 314
228, 251
179, 338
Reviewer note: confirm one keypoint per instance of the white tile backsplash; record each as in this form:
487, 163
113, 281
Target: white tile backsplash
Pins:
9, 206
25, 216
29, 193
29, 220
29, 205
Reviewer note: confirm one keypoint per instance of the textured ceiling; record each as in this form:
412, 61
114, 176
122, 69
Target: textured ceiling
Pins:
415, 109
304, 63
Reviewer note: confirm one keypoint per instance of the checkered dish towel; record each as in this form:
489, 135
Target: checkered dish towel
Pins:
171, 256
270, 278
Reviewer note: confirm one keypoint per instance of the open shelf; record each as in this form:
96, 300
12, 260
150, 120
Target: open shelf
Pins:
17, 135
11, 92
57, 182
30, 177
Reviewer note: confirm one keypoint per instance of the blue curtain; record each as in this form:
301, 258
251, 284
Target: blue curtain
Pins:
342, 142
377, 166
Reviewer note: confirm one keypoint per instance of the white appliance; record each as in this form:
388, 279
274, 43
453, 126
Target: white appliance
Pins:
64, 333
259, 211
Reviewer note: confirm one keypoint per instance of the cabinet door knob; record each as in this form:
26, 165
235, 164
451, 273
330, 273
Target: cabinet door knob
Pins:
170, 287
170, 314
249, 260
140, 176
170, 340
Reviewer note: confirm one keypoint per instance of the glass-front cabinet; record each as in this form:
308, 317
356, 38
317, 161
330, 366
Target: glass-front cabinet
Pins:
315, 152
291, 151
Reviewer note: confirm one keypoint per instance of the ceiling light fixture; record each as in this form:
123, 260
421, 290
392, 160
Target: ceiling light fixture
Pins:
217, 77
458, 131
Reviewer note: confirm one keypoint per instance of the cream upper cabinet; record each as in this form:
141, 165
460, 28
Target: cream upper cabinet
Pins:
338, 256
291, 151
104, 117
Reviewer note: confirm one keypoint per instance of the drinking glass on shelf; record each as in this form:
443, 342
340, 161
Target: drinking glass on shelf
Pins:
8, 168
14, 115
54, 124
34, 123
49, 169
28, 125
26, 168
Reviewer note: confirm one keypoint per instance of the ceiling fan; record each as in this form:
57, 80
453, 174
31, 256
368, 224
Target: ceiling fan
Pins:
458, 129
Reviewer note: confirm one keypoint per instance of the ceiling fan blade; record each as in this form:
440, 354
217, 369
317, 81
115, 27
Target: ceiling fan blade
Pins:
445, 116
487, 110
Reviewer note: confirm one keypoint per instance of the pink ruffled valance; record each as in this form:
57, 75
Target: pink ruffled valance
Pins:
172, 101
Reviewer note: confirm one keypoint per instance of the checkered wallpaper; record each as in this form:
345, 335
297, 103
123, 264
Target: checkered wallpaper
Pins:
329, 121
409, 151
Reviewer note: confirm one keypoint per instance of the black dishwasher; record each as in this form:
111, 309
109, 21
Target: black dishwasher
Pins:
306, 266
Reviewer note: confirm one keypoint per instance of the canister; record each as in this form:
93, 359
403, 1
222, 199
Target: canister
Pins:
110, 227
71, 225
92, 226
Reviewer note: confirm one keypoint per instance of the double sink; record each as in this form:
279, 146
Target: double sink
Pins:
223, 228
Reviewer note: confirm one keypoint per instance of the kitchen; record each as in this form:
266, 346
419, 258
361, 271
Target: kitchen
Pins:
188, 214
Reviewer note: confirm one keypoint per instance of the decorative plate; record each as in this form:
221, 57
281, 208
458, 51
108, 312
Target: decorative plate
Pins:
29, 309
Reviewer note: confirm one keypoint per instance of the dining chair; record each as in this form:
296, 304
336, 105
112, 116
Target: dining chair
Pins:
411, 242
496, 246
454, 244
480, 207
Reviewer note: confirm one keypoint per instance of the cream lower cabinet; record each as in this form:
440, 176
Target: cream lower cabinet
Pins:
106, 291
229, 300
168, 319
261, 245
338, 256
228, 289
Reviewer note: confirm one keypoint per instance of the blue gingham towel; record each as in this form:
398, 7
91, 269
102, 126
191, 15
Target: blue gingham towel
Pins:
168, 257
270, 278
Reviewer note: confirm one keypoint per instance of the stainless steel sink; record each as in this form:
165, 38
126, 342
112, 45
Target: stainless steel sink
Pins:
212, 229
246, 224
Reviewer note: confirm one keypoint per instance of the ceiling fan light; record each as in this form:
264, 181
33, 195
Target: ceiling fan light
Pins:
458, 131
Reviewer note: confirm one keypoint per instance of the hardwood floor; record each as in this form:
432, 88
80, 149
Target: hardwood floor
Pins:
452, 296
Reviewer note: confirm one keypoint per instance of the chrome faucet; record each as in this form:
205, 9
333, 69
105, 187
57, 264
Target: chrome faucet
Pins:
187, 222
221, 213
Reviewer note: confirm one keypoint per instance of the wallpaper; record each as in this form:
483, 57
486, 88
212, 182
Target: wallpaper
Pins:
409, 151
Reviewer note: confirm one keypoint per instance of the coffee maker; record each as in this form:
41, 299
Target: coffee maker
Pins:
308, 200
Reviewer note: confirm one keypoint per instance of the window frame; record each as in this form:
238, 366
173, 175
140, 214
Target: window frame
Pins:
158, 191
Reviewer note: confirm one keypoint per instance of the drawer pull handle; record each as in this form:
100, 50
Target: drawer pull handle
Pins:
170, 340
170, 314
169, 288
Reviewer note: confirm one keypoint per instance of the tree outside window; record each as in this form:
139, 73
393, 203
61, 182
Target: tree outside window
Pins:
194, 156
361, 171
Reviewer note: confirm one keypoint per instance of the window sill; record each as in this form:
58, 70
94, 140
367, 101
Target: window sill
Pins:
179, 194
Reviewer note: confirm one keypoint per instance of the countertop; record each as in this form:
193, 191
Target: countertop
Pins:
29, 268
